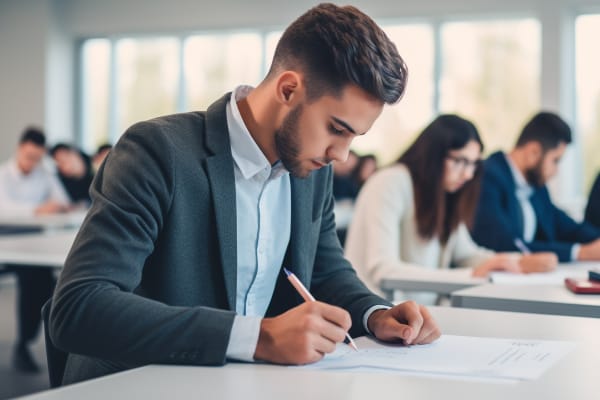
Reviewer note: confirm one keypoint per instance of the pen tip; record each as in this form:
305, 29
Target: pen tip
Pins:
286, 271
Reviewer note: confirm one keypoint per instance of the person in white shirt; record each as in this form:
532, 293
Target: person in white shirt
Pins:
27, 189
414, 214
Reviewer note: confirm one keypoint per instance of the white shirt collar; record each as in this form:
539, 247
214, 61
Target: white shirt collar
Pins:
520, 181
248, 157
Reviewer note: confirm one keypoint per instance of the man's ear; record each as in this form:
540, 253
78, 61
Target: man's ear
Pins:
289, 88
534, 153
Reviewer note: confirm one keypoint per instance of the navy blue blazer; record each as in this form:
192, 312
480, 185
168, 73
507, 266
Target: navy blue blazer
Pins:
498, 219
592, 211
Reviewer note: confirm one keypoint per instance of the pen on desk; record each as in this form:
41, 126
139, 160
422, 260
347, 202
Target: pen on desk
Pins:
303, 291
521, 246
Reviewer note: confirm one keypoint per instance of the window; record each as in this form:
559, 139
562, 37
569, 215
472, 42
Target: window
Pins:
216, 64
399, 124
95, 92
147, 79
587, 30
491, 75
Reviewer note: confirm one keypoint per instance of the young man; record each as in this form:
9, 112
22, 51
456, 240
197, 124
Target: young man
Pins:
27, 189
515, 206
194, 215
74, 171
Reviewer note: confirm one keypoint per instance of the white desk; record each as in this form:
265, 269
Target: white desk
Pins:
574, 377
51, 221
443, 282
553, 299
46, 249
447, 281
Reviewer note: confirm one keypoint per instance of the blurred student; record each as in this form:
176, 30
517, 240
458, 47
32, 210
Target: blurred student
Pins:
100, 155
27, 189
367, 166
515, 204
74, 171
592, 211
414, 214
344, 185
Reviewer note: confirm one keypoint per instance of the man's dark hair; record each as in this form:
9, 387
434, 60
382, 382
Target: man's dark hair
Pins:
335, 46
103, 147
439, 213
546, 128
33, 135
58, 147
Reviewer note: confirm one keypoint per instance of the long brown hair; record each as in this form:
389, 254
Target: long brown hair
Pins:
437, 212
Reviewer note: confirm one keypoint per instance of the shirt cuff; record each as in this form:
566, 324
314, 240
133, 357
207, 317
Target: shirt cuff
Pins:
368, 314
243, 338
575, 251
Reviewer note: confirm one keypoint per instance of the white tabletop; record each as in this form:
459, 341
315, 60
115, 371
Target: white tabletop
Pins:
573, 377
443, 281
448, 281
553, 299
46, 249
51, 221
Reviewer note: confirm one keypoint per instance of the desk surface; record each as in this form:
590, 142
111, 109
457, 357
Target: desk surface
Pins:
553, 299
443, 281
46, 249
573, 377
448, 281
52, 221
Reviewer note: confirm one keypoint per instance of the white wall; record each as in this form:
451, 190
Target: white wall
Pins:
23, 28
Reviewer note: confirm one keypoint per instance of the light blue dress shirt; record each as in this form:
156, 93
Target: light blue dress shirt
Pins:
263, 210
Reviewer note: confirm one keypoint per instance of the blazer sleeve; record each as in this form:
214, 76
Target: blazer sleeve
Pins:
334, 281
494, 227
592, 210
96, 310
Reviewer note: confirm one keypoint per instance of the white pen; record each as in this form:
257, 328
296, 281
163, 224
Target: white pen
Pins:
303, 291
521, 246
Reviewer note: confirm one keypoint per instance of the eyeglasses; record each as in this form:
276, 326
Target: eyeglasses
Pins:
462, 164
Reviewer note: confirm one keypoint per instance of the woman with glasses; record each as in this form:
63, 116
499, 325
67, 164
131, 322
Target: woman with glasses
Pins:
414, 214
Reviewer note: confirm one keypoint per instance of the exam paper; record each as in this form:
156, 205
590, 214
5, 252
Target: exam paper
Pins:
460, 356
539, 278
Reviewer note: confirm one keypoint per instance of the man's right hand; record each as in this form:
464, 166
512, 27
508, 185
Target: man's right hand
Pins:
50, 207
589, 251
538, 262
303, 334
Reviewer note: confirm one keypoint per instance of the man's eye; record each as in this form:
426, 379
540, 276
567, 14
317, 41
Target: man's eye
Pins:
336, 131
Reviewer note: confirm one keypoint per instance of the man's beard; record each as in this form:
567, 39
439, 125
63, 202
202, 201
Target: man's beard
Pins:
534, 175
287, 146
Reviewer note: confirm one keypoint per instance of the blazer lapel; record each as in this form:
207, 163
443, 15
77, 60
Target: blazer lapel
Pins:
219, 169
302, 201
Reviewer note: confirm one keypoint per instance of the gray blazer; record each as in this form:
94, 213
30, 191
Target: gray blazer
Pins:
151, 277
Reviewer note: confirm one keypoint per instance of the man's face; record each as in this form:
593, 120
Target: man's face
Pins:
29, 156
69, 163
314, 134
545, 166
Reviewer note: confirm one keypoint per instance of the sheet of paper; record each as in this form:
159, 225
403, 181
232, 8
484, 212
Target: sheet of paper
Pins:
542, 278
460, 356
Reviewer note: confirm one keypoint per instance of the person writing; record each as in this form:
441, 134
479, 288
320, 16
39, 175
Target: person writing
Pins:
74, 171
28, 189
515, 202
194, 216
414, 214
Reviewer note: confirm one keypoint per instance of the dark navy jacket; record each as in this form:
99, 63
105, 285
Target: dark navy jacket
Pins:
498, 220
592, 211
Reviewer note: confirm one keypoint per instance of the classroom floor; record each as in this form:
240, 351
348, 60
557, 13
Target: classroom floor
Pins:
12, 382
